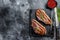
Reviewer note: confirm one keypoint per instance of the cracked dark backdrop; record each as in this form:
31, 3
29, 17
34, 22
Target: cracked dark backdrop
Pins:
14, 19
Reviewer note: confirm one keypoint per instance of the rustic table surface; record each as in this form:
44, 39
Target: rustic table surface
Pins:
14, 19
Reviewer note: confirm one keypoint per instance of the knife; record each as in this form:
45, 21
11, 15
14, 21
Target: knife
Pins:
56, 17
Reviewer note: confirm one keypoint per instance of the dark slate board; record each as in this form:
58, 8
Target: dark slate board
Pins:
50, 31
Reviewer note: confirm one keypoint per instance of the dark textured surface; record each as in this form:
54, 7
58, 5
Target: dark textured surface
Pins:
14, 21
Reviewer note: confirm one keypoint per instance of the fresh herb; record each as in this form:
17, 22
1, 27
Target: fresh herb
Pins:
36, 28
41, 16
